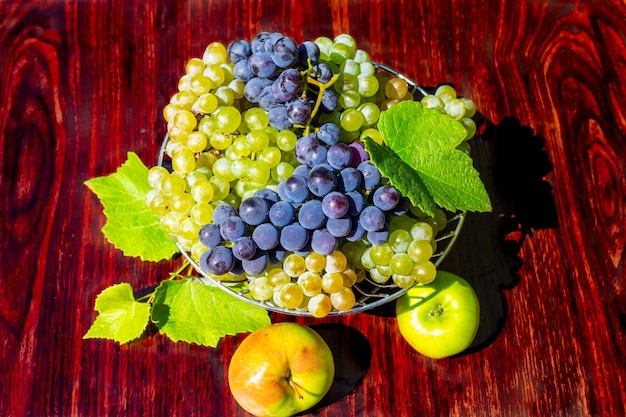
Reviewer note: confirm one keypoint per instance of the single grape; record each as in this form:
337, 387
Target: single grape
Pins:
260, 289
343, 299
254, 211
294, 237
319, 305
281, 213
311, 215
232, 228
323, 242
218, 260
244, 248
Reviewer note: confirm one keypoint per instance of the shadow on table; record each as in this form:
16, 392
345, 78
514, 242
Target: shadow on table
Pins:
513, 165
355, 352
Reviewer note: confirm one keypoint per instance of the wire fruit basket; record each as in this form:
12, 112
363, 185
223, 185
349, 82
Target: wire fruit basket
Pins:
369, 294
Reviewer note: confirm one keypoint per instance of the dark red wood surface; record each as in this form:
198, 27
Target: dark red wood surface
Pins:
83, 82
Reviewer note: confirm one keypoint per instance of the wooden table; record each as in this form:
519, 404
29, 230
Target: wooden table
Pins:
83, 82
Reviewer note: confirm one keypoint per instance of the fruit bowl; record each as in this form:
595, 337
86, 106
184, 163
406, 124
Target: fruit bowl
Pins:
353, 241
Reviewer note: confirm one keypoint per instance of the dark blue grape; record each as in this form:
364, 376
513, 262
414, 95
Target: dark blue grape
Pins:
359, 154
328, 134
267, 99
316, 155
244, 248
371, 175
284, 52
372, 219
356, 232
356, 203
296, 188
266, 236
257, 264
335, 205
302, 170
350, 178
254, 210
308, 50
210, 235
322, 73
253, 88
340, 227
339, 156
323, 242
267, 193
262, 65
378, 238
242, 71
258, 41
239, 50
298, 110
278, 118
287, 85
302, 147
232, 228
311, 216
322, 180
281, 213
218, 260
223, 212
402, 207
293, 237
329, 101
386, 197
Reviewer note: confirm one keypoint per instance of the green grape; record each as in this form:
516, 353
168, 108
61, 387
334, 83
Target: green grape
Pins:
365, 66
159, 204
256, 119
464, 147
311, 283
225, 96
353, 252
349, 99
221, 187
431, 101
170, 110
270, 155
396, 88
172, 184
377, 276
202, 191
424, 272
260, 289
366, 259
200, 84
204, 163
361, 57
332, 282
367, 85
276, 299
319, 305
237, 86
259, 172
197, 249
185, 99
455, 108
240, 148
439, 221
400, 240
187, 229
215, 73
291, 295
339, 52
470, 126
220, 141
324, 44
336, 262
351, 120
286, 140
445, 93
315, 262
373, 134
240, 167
196, 141
257, 140
294, 265
343, 299
221, 168
420, 251
370, 112
351, 67
401, 264
349, 277
156, 175
170, 222
403, 281
470, 107
201, 213
277, 277
185, 120
194, 66
232, 200
384, 270
215, 53
282, 171
181, 204
207, 126
347, 40
381, 255
183, 83
422, 231
227, 118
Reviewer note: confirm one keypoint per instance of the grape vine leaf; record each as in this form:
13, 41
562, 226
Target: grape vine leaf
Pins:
425, 141
131, 226
197, 313
120, 316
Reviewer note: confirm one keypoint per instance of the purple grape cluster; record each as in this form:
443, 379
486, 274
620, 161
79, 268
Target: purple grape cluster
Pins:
271, 65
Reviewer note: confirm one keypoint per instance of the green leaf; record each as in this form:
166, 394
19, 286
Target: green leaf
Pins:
131, 226
121, 317
197, 313
425, 140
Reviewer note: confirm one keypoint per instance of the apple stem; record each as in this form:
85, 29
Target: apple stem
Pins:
436, 312
295, 388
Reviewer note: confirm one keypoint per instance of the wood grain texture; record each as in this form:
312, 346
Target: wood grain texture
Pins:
83, 82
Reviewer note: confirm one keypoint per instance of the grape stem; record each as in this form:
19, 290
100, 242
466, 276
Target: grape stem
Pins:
322, 87
173, 275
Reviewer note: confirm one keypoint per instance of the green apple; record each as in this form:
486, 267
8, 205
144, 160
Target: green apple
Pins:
281, 370
439, 319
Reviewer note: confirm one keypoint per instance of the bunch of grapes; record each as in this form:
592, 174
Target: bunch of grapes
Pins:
269, 181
